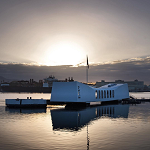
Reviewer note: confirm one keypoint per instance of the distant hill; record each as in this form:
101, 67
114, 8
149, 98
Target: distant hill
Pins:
2, 79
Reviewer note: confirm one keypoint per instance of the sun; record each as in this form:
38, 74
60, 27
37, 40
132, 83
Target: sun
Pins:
64, 53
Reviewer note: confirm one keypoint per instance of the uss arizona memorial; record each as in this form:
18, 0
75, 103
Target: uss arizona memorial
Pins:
76, 92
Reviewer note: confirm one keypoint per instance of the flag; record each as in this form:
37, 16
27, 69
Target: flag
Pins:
87, 62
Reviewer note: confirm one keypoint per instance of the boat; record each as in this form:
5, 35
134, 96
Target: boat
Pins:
79, 93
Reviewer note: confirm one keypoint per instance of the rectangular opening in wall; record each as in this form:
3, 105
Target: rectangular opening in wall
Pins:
107, 94
110, 93
102, 94
113, 94
96, 94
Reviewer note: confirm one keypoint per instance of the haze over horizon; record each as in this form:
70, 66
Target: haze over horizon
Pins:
52, 36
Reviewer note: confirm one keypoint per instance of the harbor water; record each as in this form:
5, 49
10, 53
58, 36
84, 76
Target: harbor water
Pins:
107, 127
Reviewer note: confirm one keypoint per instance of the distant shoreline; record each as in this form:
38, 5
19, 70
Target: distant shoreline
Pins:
141, 91
12, 89
19, 89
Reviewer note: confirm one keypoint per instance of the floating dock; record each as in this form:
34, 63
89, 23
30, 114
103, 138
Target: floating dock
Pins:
26, 102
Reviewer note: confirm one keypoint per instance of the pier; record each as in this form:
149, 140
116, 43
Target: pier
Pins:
136, 100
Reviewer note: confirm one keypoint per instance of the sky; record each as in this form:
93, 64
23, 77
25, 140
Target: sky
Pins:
55, 36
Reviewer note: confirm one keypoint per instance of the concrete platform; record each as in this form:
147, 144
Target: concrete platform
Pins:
26, 102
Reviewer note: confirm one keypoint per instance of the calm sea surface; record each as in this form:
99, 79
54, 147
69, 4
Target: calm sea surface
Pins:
119, 127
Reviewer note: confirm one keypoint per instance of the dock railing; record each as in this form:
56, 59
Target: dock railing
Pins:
139, 98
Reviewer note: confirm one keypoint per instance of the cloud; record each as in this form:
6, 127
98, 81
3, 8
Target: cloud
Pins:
137, 68
106, 30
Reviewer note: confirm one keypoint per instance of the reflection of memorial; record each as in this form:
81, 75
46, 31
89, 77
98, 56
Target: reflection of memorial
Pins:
25, 110
75, 119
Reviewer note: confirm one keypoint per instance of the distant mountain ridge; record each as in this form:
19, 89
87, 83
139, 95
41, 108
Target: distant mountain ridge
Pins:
3, 79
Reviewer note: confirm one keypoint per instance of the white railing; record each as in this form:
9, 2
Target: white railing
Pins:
139, 97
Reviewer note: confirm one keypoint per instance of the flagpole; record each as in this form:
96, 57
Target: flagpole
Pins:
87, 74
87, 70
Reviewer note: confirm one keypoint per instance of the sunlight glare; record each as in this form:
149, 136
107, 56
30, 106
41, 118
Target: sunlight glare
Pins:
64, 53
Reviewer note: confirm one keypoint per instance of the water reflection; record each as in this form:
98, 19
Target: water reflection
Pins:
25, 110
74, 119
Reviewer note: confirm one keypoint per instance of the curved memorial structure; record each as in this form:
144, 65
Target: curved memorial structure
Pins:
76, 92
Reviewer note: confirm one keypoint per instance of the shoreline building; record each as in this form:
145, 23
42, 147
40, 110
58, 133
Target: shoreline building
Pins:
132, 85
48, 82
